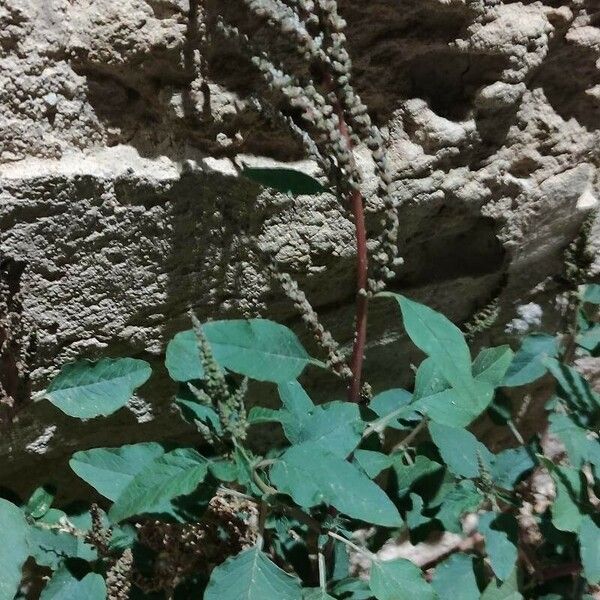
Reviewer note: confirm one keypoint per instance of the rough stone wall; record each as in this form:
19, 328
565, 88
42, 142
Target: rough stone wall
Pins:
121, 129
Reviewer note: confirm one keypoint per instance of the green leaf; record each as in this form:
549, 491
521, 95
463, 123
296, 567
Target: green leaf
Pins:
455, 407
429, 380
399, 579
510, 465
63, 586
50, 548
591, 293
389, 401
580, 448
439, 338
589, 541
176, 473
85, 389
590, 339
576, 389
14, 548
528, 363
315, 594
464, 497
195, 413
111, 470
460, 450
492, 364
414, 517
352, 589
372, 463
40, 502
500, 533
258, 348
335, 426
408, 475
566, 515
287, 181
312, 475
508, 590
251, 575
454, 579
445, 344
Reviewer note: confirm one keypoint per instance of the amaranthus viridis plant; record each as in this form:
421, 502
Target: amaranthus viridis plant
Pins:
328, 117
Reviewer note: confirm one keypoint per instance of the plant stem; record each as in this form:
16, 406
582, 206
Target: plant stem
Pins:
350, 544
356, 202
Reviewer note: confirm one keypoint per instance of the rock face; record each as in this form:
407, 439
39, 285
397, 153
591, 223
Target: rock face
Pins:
122, 126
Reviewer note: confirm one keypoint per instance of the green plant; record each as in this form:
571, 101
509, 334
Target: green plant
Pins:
224, 522
221, 520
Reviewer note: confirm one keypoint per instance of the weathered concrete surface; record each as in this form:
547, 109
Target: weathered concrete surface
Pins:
121, 207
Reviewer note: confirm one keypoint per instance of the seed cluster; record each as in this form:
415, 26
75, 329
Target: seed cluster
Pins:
328, 118
217, 393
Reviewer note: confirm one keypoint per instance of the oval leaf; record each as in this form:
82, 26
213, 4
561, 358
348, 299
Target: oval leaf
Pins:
258, 348
312, 475
63, 586
287, 181
399, 579
14, 548
176, 473
85, 389
111, 470
251, 575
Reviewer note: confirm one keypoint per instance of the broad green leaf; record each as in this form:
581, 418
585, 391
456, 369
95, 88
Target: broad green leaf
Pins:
399, 579
455, 407
510, 465
500, 533
414, 517
492, 364
581, 447
389, 401
575, 388
429, 380
464, 497
258, 348
315, 594
63, 586
454, 579
507, 590
223, 470
589, 542
295, 399
312, 475
461, 451
287, 181
111, 470
445, 344
176, 473
439, 338
335, 426
590, 339
372, 463
85, 389
40, 502
591, 294
14, 548
251, 575
528, 363
408, 475
566, 515
195, 413
50, 548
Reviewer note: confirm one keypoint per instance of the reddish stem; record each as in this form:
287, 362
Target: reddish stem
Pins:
360, 332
